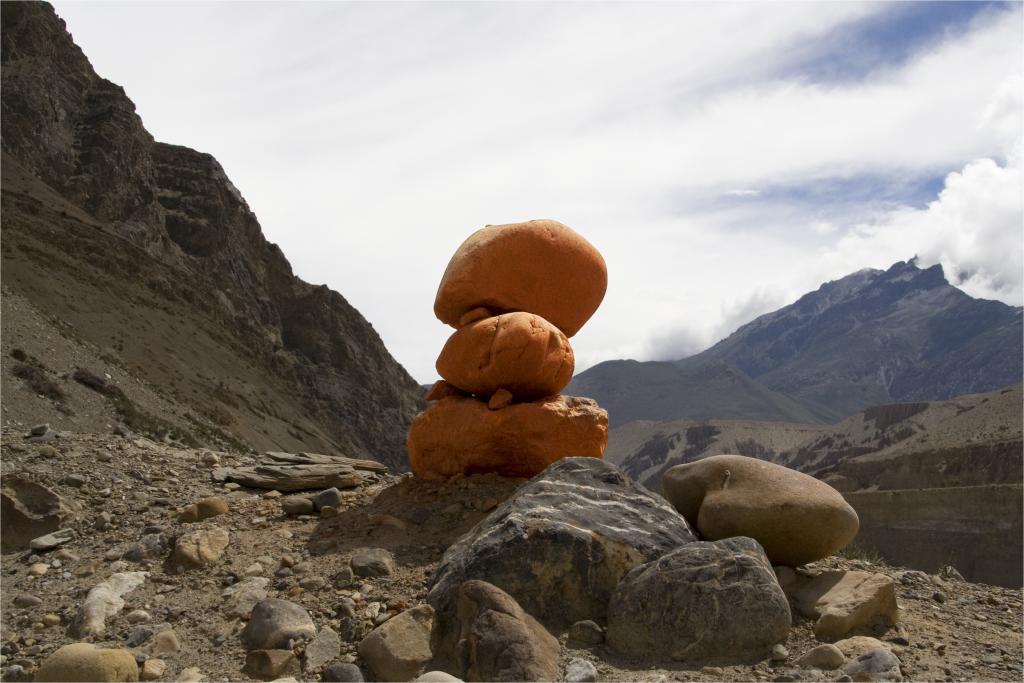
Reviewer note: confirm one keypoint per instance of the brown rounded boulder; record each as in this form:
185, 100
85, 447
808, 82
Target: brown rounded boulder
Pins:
795, 517
463, 436
540, 266
520, 352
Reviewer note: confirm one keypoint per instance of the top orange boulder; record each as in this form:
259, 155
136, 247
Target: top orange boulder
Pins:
540, 267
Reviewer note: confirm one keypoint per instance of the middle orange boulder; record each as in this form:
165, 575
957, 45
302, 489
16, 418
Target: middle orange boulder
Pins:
520, 352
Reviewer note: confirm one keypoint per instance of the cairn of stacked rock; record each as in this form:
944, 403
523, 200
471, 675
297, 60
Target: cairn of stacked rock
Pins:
515, 294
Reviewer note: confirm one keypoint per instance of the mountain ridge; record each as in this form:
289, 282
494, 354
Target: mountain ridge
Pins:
870, 338
282, 363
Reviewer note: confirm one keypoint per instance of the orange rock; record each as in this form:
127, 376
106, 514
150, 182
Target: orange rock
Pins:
520, 352
500, 399
540, 266
462, 436
442, 389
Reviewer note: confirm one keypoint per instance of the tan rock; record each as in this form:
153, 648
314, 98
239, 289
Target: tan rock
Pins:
86, 662
520, 352
825, 657
204, 509
461, 436
539, 266
152, 669
190, 675
268, 665
399, 649
199, 548
854, 646
795, 517
847, 601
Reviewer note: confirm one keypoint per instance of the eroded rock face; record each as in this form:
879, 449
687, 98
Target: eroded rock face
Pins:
520, 352
498, 641
702, 602
539, 266
28, 510
561, 544
795, 517
464, 436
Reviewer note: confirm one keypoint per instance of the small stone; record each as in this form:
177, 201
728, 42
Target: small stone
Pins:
204, 509
39, 429
190, 675
137, 616
343, 672
270, 664
313, 583
254, 569
27, 600
580, 671
152, 669
210, 459
875, 665
372, 562
244, 595
38, 569
399, 649
52, 540
329, 497
232, 486
138, 635
343, 578
201, 547
86, 662
585, 634
166, 642
66, 555
437, 677
271, 495
273, 622
500, 399
51, 620
939, 597
322, 649
76, 481
779, 653
826, 657
296, 505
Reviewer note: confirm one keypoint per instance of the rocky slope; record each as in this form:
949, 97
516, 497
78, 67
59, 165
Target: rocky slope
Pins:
873, 337
124, 496
150, 264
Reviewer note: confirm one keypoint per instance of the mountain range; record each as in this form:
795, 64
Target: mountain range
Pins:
873, 337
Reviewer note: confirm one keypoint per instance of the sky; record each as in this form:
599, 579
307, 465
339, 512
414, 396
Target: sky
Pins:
724, 158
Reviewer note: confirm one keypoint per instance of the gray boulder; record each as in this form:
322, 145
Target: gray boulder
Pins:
561, 544
703, 602
369, 562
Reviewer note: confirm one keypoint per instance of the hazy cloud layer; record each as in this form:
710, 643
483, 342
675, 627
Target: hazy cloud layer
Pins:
698, 146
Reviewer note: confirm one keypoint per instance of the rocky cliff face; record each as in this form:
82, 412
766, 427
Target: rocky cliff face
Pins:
136, 230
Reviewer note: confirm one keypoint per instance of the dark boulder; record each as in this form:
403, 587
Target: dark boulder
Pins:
704, 602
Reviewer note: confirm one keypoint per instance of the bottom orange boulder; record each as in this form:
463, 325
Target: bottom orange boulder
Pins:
460, 435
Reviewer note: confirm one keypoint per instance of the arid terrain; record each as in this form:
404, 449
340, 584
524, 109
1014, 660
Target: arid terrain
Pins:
123, 489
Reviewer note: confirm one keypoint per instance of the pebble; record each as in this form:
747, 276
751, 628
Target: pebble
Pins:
254, 569
152, 669
27, 600
38, 569
138, 616
779, 653
580, 671
586, 633
342, 672
51, 620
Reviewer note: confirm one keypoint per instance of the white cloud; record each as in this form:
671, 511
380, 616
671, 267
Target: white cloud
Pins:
370, 139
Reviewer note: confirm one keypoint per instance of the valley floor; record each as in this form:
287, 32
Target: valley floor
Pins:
950, 630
